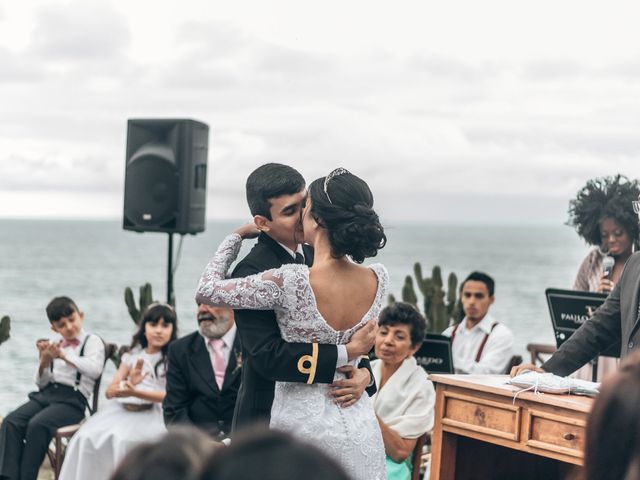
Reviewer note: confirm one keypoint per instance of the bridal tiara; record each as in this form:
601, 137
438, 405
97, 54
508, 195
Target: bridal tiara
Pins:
335, 173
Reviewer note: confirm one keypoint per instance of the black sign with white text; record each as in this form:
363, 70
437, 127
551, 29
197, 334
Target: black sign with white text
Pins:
435, 354
569, 309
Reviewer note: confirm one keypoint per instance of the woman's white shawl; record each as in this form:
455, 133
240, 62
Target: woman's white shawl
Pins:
406, 401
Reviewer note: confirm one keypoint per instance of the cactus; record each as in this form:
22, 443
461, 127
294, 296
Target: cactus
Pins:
146, 299
454, 304
441, 309
408, 293
5, 328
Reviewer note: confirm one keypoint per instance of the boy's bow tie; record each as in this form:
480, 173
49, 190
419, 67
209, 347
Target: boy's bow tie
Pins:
74, 342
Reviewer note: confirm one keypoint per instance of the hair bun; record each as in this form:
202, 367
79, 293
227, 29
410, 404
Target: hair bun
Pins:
353, 226
358, 233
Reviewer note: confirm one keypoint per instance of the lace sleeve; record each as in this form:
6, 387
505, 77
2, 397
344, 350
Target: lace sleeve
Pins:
263, 291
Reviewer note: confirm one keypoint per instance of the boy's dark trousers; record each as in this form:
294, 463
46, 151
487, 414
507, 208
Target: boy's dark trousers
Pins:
27, 431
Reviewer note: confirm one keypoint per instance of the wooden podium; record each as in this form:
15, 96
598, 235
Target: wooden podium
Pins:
480, 432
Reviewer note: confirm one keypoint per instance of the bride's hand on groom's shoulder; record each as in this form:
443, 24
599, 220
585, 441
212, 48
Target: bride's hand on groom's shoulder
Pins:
248, 230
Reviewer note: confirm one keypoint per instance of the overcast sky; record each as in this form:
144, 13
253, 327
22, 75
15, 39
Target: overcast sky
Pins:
465, 112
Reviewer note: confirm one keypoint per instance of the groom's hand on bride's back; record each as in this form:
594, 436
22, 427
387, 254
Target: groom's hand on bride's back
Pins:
363, 340
348, 391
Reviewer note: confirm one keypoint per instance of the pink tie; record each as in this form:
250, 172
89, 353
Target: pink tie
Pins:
218, 360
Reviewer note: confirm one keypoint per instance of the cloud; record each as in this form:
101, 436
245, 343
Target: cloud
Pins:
448, 67
212, 37
58, 166
418, 110
15, 69
79, 31
556, 69
215, 56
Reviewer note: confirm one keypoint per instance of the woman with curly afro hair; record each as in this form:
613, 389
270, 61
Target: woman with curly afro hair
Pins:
602, 215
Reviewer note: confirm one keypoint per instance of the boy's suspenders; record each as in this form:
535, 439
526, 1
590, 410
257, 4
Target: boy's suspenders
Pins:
484, 340
78, 374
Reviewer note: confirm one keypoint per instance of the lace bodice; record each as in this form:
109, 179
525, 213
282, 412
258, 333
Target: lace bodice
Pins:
351, 435
285, 290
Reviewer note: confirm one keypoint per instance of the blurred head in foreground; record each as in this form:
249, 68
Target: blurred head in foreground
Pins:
612, 447
178, 455
270, 455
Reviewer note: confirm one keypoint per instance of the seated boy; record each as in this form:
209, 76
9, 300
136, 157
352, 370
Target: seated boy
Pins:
69, 365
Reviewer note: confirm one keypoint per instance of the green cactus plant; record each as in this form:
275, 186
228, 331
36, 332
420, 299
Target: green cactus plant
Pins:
135, 310
5, 328
408, 293
146, 299
441, 308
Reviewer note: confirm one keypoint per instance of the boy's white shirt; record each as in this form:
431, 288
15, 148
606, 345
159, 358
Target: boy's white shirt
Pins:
90, 365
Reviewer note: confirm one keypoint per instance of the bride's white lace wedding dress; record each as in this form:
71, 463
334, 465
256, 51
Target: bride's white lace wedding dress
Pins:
350, 435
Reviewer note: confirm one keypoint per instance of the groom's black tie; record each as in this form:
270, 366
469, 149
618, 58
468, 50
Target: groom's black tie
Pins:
299, 257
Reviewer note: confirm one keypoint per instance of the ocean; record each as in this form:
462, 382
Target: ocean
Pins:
94, 261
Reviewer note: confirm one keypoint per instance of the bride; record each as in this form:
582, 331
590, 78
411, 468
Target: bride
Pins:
326, 303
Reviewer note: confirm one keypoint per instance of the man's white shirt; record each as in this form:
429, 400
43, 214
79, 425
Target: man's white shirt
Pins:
496, 353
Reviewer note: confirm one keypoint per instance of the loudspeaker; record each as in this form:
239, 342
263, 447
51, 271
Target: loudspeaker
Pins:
165, 187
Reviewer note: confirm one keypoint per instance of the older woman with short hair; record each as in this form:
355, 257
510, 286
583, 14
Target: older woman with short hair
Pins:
405, 398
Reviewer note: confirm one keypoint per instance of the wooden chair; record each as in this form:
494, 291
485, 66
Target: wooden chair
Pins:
513, 361
63, 434
537, 350
423, 440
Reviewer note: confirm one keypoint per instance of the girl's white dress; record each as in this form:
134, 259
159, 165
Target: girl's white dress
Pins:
105, 438
351, 435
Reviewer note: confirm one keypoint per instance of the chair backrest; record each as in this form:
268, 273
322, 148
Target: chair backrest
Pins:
537, 350
417, 455
109, 350
513, 361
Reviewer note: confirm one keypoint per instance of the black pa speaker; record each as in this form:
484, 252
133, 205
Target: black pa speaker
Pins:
165, 187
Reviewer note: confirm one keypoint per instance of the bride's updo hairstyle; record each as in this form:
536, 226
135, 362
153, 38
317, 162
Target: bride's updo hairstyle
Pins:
343, 204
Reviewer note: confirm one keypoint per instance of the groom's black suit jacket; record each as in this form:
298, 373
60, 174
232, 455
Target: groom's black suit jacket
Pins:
267, 357
193, 396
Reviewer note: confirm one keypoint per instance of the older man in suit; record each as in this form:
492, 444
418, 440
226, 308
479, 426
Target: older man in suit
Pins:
617, 321
203, 375
276, 195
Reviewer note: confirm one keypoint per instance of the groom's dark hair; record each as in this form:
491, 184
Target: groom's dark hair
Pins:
269, 181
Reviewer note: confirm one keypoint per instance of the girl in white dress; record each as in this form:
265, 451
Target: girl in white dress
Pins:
326, 303
134, 412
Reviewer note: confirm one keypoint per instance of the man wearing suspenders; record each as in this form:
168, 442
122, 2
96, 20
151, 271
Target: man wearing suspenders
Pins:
480, 345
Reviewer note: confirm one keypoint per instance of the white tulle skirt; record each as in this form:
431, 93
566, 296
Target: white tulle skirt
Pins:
104, 439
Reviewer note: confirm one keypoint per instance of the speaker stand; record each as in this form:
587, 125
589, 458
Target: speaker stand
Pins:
171, 298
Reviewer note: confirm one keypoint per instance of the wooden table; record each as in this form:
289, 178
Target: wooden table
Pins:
480, 432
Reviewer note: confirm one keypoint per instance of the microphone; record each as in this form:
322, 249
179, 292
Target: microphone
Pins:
607, 266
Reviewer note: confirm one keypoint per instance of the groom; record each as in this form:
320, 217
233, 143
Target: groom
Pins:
276, 195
